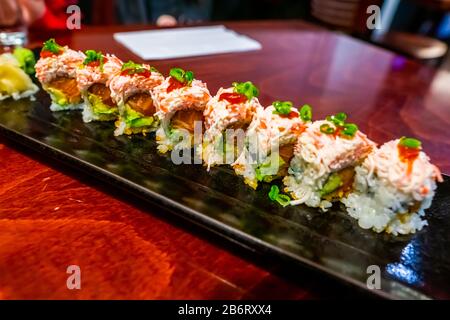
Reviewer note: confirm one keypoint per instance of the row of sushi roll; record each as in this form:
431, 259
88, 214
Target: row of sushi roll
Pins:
386, 188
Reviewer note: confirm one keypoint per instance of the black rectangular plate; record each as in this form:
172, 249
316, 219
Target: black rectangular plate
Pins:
413, 267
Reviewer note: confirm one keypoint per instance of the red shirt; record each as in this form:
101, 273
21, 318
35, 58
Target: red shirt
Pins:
55, 15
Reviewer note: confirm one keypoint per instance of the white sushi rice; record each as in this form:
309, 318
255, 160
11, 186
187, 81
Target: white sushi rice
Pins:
317, 155
121, 126
57, 107
385, 192
88, 112
304, 184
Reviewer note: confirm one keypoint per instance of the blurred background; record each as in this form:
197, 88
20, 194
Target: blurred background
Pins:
419, 29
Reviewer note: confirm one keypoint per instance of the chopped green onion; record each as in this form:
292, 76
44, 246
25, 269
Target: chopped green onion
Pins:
275, 196
177, 74
185, 77
350, 129
189, 76
246, 88
344, 129
327, 129
132, 68
338, 119
306, 113
283, 200
93, 56
52, 46
410, 143
274, 192
130, 65
153, 69
341, 116
282, 107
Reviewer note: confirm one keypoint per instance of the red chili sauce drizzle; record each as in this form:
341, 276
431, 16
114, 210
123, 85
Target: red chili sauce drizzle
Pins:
290, 115
233, 97
130, 72
337, 132
174, 84
95, 64
48, 54
408, 155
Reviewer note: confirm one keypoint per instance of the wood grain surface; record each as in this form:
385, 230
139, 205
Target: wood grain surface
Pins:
52, 217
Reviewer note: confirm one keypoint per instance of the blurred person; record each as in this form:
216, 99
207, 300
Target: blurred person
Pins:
132, 11
170, 12
41, 14
31, 11
166, 13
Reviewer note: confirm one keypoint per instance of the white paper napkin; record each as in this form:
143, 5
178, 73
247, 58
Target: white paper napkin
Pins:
185, 42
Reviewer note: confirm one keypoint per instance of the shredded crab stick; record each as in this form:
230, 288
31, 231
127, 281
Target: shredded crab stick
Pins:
56, 70
322, 170
231, 108
393, 188
269, 142
132, 91
180, 101
93, 78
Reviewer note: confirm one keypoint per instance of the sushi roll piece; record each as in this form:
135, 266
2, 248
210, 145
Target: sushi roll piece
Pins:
180, 101
132, 91
56, 70
269, 142
93, 78
322, 170
227, 117
15, 69
393, 188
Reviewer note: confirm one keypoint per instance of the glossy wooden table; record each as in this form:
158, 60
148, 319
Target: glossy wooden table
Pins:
52, 217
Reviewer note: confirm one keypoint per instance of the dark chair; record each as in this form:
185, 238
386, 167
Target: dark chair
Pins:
345, 15
110, 12
418, 46
350, 16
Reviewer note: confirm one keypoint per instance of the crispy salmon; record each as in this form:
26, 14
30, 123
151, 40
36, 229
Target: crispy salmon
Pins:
103, 92
185, 119
286, 153
143, 103
69, 87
